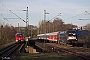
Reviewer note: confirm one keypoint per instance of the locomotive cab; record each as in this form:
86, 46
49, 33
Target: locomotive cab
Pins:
19, 37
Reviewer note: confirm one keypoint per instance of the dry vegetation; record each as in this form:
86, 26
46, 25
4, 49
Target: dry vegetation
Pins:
56, 25
7, 34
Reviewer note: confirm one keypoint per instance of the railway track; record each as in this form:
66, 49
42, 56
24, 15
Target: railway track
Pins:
80, 52
10, 51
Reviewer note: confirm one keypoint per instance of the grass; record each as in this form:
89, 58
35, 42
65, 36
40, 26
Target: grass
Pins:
45, 56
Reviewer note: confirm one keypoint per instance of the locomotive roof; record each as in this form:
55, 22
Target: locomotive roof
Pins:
19, 33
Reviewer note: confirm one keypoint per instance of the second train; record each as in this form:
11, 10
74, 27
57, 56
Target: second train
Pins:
68, 36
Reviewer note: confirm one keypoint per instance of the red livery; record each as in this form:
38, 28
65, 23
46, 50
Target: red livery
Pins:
68, 36
19, 37
53, 36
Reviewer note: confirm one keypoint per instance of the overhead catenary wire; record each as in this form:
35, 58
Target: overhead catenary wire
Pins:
17, 16
12, 12
7, 20
87, 12
74, 16
3, 5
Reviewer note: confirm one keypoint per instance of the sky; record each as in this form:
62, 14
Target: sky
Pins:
71, 11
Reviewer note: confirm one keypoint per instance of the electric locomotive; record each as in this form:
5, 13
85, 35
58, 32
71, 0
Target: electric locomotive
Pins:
68, 36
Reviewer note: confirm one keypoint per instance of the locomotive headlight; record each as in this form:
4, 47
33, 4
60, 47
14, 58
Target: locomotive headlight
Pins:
74, 34
71, 38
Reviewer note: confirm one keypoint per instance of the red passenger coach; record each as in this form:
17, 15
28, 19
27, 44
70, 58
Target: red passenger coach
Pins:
19, 37
53, 36
48, 36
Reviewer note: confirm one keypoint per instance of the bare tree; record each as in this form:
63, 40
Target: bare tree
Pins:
7, 34
56, 25
87, 27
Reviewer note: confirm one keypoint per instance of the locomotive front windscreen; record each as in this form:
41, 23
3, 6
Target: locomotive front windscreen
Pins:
19, 35
71, 33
